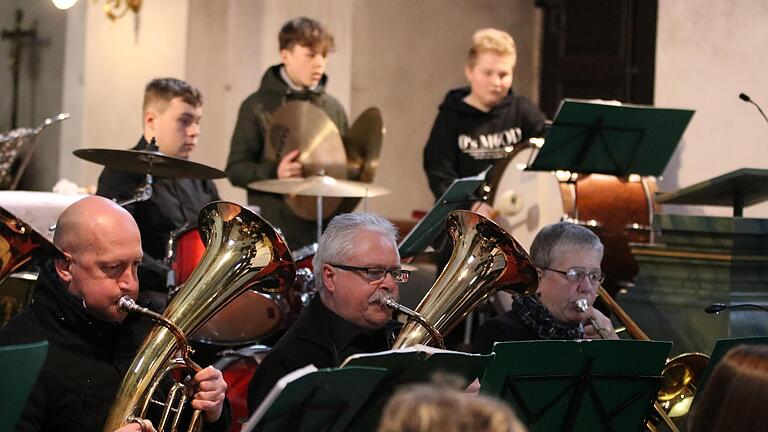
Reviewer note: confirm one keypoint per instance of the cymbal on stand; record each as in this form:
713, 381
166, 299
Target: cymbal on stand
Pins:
149, 162
324, 186
300, 125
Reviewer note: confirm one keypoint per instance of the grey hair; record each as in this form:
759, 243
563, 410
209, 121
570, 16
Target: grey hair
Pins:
555, 239
337, 242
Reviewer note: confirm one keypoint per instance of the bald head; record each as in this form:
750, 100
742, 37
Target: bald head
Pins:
102, 252
91, 217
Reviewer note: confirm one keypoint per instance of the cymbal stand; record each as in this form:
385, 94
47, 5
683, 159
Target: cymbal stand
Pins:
320, 211
319, 217
142, 193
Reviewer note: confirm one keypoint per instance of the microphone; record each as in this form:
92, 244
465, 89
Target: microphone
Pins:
716, 308
747, 99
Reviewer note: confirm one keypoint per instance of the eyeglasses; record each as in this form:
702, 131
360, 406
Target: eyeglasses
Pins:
576, 275
374, 274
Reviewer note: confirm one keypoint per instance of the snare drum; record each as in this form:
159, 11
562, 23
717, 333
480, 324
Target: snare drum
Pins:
238, 368
249, 317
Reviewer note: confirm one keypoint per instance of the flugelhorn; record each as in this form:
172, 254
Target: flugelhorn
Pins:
485, 259
242, 251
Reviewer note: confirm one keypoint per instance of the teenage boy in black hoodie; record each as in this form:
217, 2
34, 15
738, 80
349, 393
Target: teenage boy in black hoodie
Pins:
304, 48
475, 123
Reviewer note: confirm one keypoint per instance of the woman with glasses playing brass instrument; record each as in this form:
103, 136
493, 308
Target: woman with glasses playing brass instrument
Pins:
567, 257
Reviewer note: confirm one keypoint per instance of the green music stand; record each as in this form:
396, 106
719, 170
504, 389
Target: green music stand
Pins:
720, 350
738, 189
407, 366
320, 401
602, 385
19, 367
458, 194
589, 137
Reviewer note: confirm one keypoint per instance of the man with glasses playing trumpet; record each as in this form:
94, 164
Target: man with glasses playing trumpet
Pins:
567, 258
356, 264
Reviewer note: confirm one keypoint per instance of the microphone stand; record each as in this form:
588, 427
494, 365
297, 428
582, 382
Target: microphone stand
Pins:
716, 308
747, 99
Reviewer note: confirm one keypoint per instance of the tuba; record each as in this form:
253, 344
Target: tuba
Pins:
485, 259
242, 251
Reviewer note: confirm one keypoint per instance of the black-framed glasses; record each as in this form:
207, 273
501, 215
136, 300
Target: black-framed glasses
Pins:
577, 275
375, 274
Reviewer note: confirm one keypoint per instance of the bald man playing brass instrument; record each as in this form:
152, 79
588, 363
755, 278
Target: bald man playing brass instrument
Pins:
567, 258
91, 340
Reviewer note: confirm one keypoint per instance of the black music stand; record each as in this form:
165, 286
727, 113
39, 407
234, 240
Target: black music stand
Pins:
19, 367
737, 189
603, 385
588, 137
406, 366
458, 194
311, 400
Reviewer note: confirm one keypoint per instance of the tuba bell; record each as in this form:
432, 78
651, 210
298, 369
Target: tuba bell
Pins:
242, 251
485, 259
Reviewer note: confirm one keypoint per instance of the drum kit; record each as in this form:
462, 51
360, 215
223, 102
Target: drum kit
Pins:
339, 174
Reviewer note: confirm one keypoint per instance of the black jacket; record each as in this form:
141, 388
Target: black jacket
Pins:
87, 358
246, 162
174, 202
503, 328
309, 341
464, 140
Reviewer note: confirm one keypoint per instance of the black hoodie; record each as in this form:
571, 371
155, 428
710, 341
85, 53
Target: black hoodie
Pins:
464, 140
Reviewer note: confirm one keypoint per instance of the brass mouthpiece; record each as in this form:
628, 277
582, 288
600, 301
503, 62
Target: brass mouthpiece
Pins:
389, 302
582, 305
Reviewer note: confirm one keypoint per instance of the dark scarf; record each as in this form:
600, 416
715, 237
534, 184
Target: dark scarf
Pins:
536, 317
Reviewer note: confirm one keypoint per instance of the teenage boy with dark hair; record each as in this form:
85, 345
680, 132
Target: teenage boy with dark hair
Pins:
304, 47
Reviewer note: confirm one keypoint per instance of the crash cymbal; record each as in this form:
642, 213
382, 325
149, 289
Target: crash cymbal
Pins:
303, 126
363, 145
149, 162
324, 186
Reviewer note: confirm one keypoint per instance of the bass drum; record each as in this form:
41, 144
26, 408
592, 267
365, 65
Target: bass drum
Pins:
525, 201
248, 318
238, 368
618, 210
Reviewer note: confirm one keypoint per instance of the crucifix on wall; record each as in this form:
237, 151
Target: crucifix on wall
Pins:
17, 37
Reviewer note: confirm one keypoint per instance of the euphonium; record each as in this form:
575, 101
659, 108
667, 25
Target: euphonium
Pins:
485, 259
242, 251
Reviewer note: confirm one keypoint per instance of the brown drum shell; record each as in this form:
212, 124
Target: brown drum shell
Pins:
622, 210
616, 205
